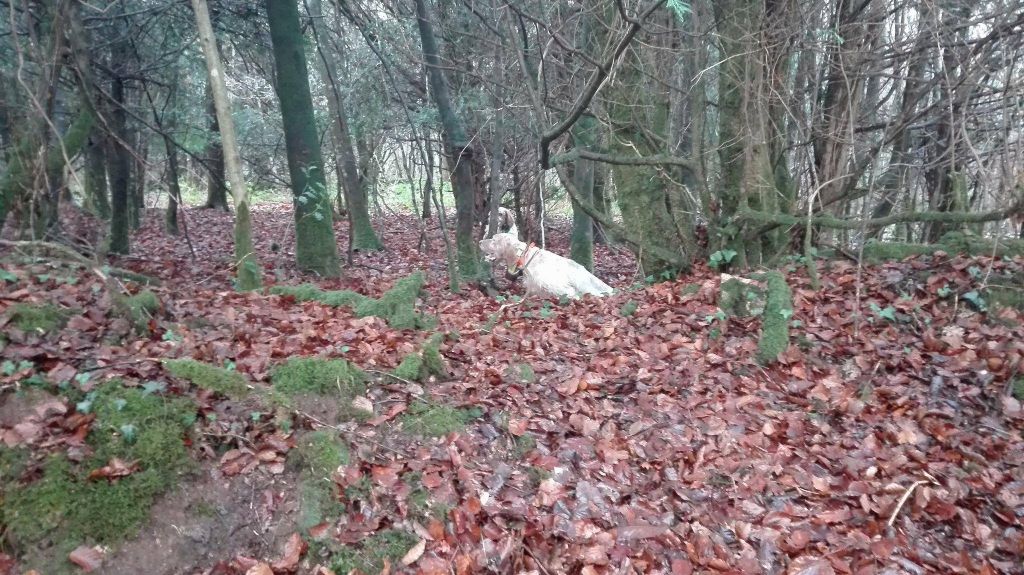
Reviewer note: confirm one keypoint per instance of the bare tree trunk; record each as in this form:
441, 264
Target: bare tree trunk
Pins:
248, 270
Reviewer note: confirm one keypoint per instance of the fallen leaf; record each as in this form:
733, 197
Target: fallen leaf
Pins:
293, 550
87, 558
260, 569
415, 552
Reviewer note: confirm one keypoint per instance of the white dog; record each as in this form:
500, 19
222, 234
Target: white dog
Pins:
546, 274
506, 224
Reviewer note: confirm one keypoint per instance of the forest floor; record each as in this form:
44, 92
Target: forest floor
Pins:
631, 434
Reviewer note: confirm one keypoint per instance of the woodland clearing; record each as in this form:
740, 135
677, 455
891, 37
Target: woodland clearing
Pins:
632, 433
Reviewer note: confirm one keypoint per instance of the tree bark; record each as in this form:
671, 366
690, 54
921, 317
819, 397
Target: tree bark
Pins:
216, 188
316, 249
361, 229
248, 268
457, 149
118, 158
96, 177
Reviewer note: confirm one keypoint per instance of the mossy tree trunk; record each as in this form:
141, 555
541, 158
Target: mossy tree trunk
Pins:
748, 176
96, 176
364, 237
138, 178
248, 271
216, 186
316, 249
173, 187
581, 245
457, 150
118, 158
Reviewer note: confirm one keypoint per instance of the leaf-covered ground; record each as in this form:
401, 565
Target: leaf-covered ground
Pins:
631, 434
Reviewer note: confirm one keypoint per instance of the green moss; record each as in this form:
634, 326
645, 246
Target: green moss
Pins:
689, 289
138, 309
1018, 389
884, 251
419, 366
368, 556
436, 420
223, 381
312, 375
40, 318
64, 507
309, 292
521, 372
319, 453
396, 306
629, 308
740, 299
775, 322
523, 445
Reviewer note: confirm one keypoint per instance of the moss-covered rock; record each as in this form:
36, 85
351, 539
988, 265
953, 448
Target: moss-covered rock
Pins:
741, 297
955, 242
40, 318
436, 420
419, 366
775, 321
397, 306
45, 518
223, 381
138, 309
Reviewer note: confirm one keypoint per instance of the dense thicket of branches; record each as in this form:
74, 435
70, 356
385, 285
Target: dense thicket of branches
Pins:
679, 128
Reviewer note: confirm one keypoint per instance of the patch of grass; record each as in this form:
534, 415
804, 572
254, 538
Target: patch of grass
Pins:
522, 372
629, 308
419, 366
436, 420
397, 306
39, 318
313, 375
369, 555
65, 507
138, 308
1018, 389
523, 444
318, 454
223, 381
689, 289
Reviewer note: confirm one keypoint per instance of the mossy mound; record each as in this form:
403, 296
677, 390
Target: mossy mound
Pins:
436, 420
313, 375
739, 297
138, 309
318, 454
775, 320
397, 306
309, 292
421, 365
952, 243
45, 518
223, 381
39, 318
369, 555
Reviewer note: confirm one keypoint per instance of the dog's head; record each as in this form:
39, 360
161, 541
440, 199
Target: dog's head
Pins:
503, 248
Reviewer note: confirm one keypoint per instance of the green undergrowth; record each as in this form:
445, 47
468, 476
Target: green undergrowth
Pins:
305, 382
951, 243
318, 454
226, 382
778, 308
45, 518
138, 309
397, 306
419, 366
429, 420
1018, 389
40, 318
370, 554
